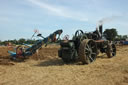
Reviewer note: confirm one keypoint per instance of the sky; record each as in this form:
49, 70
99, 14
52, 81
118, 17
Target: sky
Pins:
19, 18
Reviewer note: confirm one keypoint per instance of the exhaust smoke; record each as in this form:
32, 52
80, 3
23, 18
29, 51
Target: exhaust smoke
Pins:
107, 20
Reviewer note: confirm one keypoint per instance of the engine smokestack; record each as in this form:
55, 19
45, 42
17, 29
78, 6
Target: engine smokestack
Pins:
101, 29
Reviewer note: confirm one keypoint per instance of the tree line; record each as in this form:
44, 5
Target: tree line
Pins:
18, 42
112, 35
109, 34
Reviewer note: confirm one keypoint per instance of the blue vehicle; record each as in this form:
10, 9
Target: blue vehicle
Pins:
125, 43
22, 53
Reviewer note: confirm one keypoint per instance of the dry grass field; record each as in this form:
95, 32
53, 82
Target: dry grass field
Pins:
48, 69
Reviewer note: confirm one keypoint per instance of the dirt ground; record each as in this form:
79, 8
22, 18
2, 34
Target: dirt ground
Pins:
48, 69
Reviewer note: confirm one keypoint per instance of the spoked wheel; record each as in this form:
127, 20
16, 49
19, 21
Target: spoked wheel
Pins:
79, 33
111, 50
87, 51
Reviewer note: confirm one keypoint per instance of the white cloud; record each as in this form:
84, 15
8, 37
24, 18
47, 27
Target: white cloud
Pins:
60, 11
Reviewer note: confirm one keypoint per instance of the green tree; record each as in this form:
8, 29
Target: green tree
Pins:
5, 42
125, 37
0, 42
118, 37
28, 41
15, 41
21, 41
110, 34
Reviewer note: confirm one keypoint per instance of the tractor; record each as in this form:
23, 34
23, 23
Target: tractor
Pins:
85, 47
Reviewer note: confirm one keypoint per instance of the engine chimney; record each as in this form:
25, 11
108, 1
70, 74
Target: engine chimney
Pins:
101, 29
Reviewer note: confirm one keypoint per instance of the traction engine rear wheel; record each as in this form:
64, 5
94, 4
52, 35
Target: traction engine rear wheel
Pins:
111, 50
87, 51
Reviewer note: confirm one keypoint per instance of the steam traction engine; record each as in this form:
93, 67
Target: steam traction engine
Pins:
86, 46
